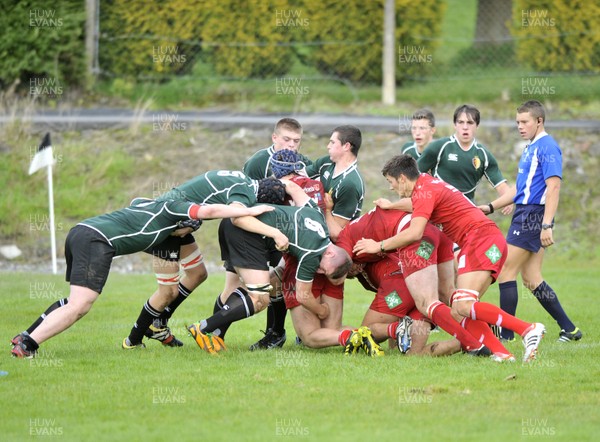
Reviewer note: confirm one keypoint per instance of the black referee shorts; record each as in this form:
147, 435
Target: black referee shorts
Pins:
88, 257
246, 250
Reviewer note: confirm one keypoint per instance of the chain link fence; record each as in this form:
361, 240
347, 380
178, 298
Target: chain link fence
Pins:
495, 46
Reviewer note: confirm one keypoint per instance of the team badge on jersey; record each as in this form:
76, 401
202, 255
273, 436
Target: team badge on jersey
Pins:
393, 300
476, 163
425, 250
494, 254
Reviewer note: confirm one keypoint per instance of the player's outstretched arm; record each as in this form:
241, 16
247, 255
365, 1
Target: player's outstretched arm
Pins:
404, 204
229, 211
413, 233
504, 201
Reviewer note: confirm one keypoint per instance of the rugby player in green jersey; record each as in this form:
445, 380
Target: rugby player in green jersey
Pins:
91, 245
245, 246
286, 135
422, 128
342, 182
460, 160
338, 171
178, 263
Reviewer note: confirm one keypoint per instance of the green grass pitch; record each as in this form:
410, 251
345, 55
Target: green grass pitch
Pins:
83, 386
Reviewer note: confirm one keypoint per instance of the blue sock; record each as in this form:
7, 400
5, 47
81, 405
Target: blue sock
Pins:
509, 298
550, 302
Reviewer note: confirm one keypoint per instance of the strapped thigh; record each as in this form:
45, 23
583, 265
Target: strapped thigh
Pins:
167, 278
194, 259
260, 289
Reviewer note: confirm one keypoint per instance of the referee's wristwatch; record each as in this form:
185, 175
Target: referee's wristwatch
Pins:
547, 226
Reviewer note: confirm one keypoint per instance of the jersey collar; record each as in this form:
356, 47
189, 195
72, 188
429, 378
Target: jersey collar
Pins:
538, 136
348, 169
454, 139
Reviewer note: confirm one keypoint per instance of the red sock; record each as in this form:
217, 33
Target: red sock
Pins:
483, 333
343, 337
441, 315
391, 330
492, 314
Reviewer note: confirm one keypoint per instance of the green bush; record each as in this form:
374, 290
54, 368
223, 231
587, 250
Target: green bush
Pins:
558, 35
152, 39
149, 39
486, 56
42, 41
358, 27
247, 39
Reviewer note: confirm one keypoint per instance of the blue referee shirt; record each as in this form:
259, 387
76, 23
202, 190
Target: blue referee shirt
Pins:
540, 160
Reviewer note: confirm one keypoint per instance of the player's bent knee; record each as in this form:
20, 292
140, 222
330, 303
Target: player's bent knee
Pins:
261, 302
462, 309
260, 294
168, 292
462, 300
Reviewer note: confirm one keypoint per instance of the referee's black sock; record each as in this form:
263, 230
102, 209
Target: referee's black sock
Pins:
184, 292
147, 315
238, 306
49, 310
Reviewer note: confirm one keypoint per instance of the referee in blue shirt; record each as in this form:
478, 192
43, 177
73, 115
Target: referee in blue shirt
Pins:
530, 233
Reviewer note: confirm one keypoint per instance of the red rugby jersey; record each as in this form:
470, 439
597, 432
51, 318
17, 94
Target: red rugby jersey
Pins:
443, 204
377, 224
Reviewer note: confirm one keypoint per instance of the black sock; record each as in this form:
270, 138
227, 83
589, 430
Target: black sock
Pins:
278, 312
238, 306
147, 315
509, 298
550, 302
218, 304
50, 309
184, 292
217, 307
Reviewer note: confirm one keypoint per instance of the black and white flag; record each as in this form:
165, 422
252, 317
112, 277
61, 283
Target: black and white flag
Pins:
43, 157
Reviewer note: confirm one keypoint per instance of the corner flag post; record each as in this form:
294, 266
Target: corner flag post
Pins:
45, 158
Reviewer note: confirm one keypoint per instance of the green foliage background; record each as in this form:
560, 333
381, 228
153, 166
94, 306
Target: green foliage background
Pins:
347, 23
42, 40
558, 35
266, 39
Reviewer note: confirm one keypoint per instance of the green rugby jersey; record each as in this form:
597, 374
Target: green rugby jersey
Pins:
445, 159
307, 232
411, 149
216, 187
257, 166
347, 188
141, 225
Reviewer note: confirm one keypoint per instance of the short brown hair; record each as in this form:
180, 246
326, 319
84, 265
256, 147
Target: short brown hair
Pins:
535, 108
288, 124
424, 114
343, 263
468, 109
401, 165
350, 134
